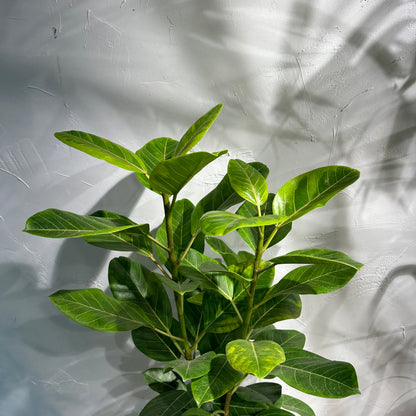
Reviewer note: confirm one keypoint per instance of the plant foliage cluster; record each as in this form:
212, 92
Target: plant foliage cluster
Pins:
218, 326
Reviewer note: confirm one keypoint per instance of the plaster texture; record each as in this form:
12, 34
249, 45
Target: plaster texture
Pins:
304, 84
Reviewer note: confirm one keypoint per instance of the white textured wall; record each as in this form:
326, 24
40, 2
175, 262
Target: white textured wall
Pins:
304, 84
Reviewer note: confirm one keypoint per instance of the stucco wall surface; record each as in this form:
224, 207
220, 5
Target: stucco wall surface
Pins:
304, 84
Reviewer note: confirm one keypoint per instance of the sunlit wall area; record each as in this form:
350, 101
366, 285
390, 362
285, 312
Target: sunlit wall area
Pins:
304, 84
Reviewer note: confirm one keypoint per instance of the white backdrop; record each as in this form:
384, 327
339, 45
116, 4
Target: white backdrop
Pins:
304, 84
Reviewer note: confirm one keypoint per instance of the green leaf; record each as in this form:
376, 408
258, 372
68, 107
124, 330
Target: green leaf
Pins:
152, 153
160, 380
133, 239
311, 190
170, 403
181, 224
276, 309
317, 256
55, 223
171, 175
274, 412
191, 369
222, 222
268, 392
286, 338
295, 405
130, 280
94, 309
102, 149
228, 255
316, 279
155, 345
240, 407
247, 182
251, 235
178, 287
254, 357
196, 412
221, 197
197, 131
316, 375
220, 379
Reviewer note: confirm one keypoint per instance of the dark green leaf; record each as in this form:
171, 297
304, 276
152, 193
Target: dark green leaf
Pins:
94, 309
221, 197
315, 279
268, 392
170, 403
130, 280
286, 338
220, 379
171, 175
274, 412
196, 412
247, 182
295, 405
152, 153
317, 256
55, 223
254, 357
311, 190
102, 149
240, 407
316, 375
155, 345
191, 369
197, 131
160, 380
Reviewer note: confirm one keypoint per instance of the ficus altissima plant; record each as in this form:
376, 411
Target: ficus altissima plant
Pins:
218, 327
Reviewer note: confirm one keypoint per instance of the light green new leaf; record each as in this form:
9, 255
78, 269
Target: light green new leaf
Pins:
170, 403
152, 153
191, 369
94, 309
222, 222
197, 131
254, 357
221, 197
178, 287
316, 375
55, 223
312, 280
130, 280
171, 175
132, 239
219, 380
160, 380
311, 190
317, 256
155, 345
286, 338
247, 182
102, 149
295, 405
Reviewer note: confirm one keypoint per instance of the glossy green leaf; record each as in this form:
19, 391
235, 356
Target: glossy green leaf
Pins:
197, 131
196, 412
275, 412
247, 182
171, 175
94, 309
222, 222
295, 405
170, 403
240, 407
152, 153
102, 149
178, 287
191, 369
254, 357
221, 197
55, 223
181, 224
220, 379
311, 190
155, 345
316, 375
228, 255
160, 380
132, 281
266, 391
286, 338
277, 309
132, 239
315, 279
317, 256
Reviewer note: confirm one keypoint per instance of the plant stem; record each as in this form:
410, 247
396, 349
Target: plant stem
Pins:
227, 403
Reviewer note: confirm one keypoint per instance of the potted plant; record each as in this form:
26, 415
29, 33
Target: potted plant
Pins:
219, 325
